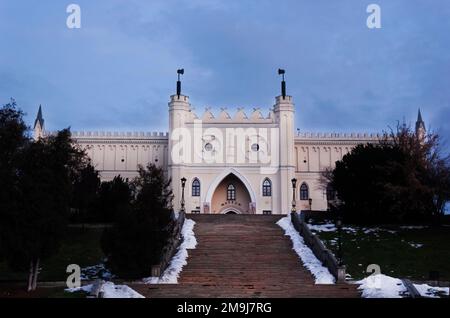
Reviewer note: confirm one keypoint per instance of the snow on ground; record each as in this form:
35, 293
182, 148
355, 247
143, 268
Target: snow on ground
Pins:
110, 290
171, 274
413, 227
375, 230
328, 227
349, 229
96, 272
430, 291
320, 272
85, 288
416, 245
381, 286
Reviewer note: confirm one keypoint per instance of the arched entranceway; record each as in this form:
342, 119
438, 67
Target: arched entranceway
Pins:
231, 196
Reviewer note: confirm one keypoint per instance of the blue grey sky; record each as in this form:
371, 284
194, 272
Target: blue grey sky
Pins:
118, 70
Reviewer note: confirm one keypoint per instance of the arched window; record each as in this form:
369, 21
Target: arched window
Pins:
331, 194
231, 192
267, 188
304, 192
196, 188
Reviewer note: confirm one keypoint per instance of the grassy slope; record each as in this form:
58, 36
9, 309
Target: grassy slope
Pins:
393, 252
80, 247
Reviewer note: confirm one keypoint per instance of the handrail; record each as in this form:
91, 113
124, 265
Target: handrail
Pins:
318, 248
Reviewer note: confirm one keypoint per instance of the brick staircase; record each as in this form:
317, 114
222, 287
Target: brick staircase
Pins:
243, 256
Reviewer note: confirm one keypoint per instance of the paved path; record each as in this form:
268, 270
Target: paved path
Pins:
243, 256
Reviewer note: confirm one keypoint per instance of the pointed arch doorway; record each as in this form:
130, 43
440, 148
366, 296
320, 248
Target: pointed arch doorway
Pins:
231, 193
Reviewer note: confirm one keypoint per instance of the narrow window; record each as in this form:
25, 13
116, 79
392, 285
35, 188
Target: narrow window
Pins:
304, 192
267, 188
231, 192
196, 188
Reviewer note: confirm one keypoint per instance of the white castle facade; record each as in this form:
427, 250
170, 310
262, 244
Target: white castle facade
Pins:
231, 164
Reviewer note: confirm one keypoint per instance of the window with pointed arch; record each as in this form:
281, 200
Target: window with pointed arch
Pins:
304, 191
267, 188
196, 188
231, 192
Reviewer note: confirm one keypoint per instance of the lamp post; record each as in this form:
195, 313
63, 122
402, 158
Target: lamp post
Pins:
183, 184
294, 186
339, 228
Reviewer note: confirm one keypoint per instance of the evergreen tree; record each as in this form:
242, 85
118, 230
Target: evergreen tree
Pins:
113, 196
13, 138
36, 180
141, 230
85, 193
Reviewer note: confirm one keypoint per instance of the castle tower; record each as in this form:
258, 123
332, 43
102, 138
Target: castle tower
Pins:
179, 114
420, 127
284, 112
39, 129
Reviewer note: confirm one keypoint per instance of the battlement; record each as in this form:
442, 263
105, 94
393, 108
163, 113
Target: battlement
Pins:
239, 117
348, 136
119, 134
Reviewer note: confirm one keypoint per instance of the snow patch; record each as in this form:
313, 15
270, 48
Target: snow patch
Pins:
329, 227
349, 229
85, 288
431, 292
96, 272
110, 290
320, 272
171, 274
416, 245
375, 230
413, 227
381, 286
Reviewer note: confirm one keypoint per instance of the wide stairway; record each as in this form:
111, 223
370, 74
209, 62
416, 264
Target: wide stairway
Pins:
243, 256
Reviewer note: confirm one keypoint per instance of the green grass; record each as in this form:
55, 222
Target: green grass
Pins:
393, 251
79, 246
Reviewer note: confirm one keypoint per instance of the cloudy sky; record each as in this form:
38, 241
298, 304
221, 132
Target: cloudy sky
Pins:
118, 70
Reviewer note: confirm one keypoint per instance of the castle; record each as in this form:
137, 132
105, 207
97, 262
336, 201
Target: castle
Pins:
223, 164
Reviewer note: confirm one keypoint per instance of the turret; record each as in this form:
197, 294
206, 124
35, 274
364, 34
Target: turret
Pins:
284, 111
179, 114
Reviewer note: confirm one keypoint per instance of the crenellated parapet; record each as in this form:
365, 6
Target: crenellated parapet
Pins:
348, 136
336, 139
240, 116
119, 134
116, 137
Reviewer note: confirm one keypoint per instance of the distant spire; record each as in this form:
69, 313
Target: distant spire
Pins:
420, 127
39, 118
419, 117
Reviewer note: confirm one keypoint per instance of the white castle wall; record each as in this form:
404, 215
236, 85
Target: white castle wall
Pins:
121, 153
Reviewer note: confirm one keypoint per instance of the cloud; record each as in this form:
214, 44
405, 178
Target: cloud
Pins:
118, 70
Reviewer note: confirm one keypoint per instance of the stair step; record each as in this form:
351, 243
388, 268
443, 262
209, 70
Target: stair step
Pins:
243, 256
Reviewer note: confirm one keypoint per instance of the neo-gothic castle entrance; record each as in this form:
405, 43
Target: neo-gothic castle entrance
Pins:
231, 196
